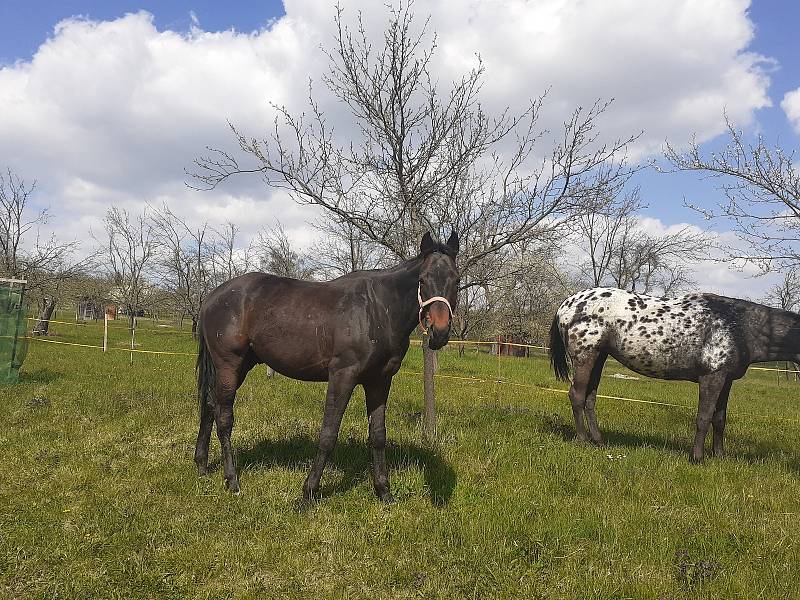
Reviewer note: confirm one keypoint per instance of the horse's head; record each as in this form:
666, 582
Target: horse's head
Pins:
438, 287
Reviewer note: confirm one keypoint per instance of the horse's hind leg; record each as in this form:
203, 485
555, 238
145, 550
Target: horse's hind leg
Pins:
376, 395
719, 419
591, 399
578, 390
340, 388
229, 378
204, 436
711, 387
223, 415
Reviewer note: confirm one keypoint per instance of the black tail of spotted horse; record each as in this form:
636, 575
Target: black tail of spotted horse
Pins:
206, 373
558, 352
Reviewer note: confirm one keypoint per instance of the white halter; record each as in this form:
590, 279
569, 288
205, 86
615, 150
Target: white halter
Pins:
428, 302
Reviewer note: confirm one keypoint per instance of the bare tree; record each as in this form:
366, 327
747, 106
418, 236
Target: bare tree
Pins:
183, 258
786, 293
129, 249
620, 252
425, 159
527, 299
278, 256
343, 248
46, 263
600, 230
227, 258
762, 191
646, 263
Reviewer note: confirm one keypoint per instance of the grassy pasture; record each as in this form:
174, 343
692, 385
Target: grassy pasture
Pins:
99, 496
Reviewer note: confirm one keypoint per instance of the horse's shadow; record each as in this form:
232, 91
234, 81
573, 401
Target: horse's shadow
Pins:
353, 458
747, 449
38, 376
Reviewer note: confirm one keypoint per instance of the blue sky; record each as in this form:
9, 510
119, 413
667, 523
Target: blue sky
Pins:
25, 24
776, 37
277, 62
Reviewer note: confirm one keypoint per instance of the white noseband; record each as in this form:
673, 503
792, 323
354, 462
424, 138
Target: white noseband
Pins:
428, 302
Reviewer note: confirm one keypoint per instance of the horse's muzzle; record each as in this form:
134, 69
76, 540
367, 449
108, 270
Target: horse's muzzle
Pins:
438, 337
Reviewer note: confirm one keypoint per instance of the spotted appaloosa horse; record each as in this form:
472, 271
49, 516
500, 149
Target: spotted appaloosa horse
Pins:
698, 337
351, 331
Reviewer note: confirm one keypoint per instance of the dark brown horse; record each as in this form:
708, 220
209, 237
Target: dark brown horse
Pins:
349, 331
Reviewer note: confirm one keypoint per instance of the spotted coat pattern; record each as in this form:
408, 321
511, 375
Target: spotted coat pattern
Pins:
669, 338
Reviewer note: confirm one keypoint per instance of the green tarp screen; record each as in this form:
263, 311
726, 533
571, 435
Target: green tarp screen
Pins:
13, 342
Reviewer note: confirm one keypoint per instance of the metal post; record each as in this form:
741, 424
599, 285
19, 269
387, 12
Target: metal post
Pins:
11, 283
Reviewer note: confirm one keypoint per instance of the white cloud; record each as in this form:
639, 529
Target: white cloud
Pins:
718, 274
112, 112
791, 106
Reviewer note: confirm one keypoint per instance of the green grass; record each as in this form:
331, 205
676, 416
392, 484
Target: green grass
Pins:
99, 496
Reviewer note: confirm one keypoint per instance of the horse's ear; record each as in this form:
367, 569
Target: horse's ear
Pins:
452, 242
427, 244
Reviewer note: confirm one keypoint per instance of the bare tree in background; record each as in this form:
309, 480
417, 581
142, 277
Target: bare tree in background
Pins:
129, 250
786, 295
599, 232
621, 253
343, 248
278, 256
183, 258
425, 159
227, 259
46, 263
649, 264
527, 299
762, 191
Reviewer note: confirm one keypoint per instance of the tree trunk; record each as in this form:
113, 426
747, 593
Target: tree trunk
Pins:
194, 328
45, 314
429, 413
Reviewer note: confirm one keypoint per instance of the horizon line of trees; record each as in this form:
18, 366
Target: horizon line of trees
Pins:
157, 262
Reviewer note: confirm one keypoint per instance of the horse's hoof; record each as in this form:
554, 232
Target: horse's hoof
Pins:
387, 498
302, 505
580, 440
203, 470
695, 460
598, 443
233, 487
311, 495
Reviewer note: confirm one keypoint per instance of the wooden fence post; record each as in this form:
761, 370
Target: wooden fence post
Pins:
133, 337
429, 412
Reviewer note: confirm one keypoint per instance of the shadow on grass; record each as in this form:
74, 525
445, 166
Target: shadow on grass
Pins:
354, 459
755, 451
38, 376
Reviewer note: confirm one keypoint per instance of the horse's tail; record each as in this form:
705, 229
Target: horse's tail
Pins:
558, 352
206, 373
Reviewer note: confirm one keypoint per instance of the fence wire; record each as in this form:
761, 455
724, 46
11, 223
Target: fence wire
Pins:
505, 365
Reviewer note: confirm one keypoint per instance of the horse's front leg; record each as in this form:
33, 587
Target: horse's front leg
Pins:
376, 394
711, 386
340, 387
719, 420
